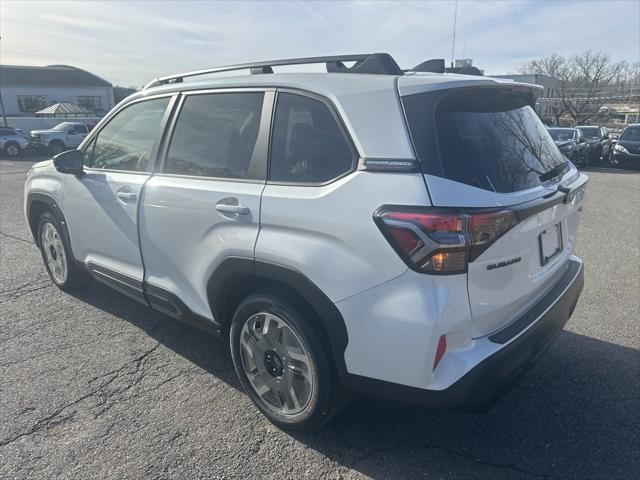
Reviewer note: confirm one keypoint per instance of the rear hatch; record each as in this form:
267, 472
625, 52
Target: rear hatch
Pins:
486, 155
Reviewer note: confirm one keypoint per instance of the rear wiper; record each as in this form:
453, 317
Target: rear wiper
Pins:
554, 172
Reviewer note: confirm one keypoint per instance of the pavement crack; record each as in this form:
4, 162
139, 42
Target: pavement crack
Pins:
478, 461
378, 451
24, 289
8, 235
57, 417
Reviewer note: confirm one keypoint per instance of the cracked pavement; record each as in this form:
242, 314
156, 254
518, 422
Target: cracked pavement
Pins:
97, 386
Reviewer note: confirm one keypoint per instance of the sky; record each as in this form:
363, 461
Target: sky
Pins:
131, 42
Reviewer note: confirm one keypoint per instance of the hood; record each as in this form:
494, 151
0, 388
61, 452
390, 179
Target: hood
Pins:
632, 146
563, 143
44, 163
630, 143
45, 132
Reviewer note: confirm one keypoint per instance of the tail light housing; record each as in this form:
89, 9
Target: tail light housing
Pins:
442, 241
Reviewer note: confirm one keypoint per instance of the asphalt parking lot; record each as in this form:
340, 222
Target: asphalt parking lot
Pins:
96, 386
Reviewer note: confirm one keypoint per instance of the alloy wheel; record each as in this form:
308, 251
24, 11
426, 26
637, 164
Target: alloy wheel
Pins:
54, 253
276, 364
12, 150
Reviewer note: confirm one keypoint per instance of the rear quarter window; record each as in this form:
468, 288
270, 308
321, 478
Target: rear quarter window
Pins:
308, 144
489, 139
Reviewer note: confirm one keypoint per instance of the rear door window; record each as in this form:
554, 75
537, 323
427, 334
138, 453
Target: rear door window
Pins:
488, 139
215, 135
308, 145
590, 132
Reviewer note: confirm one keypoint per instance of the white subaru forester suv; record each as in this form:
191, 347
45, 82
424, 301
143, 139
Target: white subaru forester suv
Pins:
405, 234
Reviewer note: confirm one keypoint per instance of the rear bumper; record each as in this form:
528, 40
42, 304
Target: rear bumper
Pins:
524, 340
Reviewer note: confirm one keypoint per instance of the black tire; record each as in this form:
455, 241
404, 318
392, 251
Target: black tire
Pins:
12, 149
56, 147
75, 277
327, 396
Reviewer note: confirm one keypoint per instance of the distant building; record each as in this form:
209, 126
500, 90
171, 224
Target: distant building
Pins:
463, 62
547, 102
464, 66
26, 90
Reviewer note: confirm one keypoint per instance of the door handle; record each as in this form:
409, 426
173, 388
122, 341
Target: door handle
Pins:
127, 197
239, 209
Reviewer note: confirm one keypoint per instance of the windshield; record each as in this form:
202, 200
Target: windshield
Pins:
561, 135
590, 132
61, 127
631, 134
487, 138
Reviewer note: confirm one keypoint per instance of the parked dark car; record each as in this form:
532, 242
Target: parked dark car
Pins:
571, 144
627, 150
599, 141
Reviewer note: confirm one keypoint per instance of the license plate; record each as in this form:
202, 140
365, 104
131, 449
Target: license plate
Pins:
550, 243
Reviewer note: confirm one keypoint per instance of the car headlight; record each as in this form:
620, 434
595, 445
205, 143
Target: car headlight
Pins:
621, 149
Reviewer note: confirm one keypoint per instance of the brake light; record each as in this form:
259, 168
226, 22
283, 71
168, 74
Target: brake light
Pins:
442, 241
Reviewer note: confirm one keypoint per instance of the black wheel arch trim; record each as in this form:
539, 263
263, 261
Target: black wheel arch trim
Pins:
53, 207
234, 269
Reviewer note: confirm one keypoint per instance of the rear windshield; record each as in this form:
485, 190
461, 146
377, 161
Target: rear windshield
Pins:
590, 132
561, 135
489, 139
631, 134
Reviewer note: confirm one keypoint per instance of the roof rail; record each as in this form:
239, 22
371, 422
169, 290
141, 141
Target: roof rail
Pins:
372, 63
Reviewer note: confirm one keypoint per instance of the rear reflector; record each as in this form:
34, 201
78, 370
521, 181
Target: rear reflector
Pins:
442, 347
440, 241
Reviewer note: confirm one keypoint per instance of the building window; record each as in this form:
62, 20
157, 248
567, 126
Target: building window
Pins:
31, 103
90, 103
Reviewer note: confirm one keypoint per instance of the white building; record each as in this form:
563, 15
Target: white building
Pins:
548, 103
25, 90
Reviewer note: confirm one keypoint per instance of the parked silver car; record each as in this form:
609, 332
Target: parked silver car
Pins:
64, 136
12, 141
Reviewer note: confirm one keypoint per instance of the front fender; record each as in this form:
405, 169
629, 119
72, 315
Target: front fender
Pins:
44, 185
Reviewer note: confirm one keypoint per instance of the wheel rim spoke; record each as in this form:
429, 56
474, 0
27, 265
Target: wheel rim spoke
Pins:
51, 242
276, 363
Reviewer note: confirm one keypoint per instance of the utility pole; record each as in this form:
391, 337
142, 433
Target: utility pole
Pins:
453, 40
4, 116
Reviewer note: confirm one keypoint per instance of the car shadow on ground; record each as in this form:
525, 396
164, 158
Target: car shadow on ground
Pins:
544, 427
611, 169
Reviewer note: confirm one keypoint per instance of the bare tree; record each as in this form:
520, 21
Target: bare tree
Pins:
585, 80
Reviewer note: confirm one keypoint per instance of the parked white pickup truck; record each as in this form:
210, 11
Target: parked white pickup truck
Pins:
64, 136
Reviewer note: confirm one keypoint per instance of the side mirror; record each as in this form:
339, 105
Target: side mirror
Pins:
582, 140
69, 162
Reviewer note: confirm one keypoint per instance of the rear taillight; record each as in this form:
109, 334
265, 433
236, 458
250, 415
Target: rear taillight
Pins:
442, 241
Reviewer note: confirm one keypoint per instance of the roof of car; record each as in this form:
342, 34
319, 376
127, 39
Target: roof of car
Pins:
357, 97
335, 84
